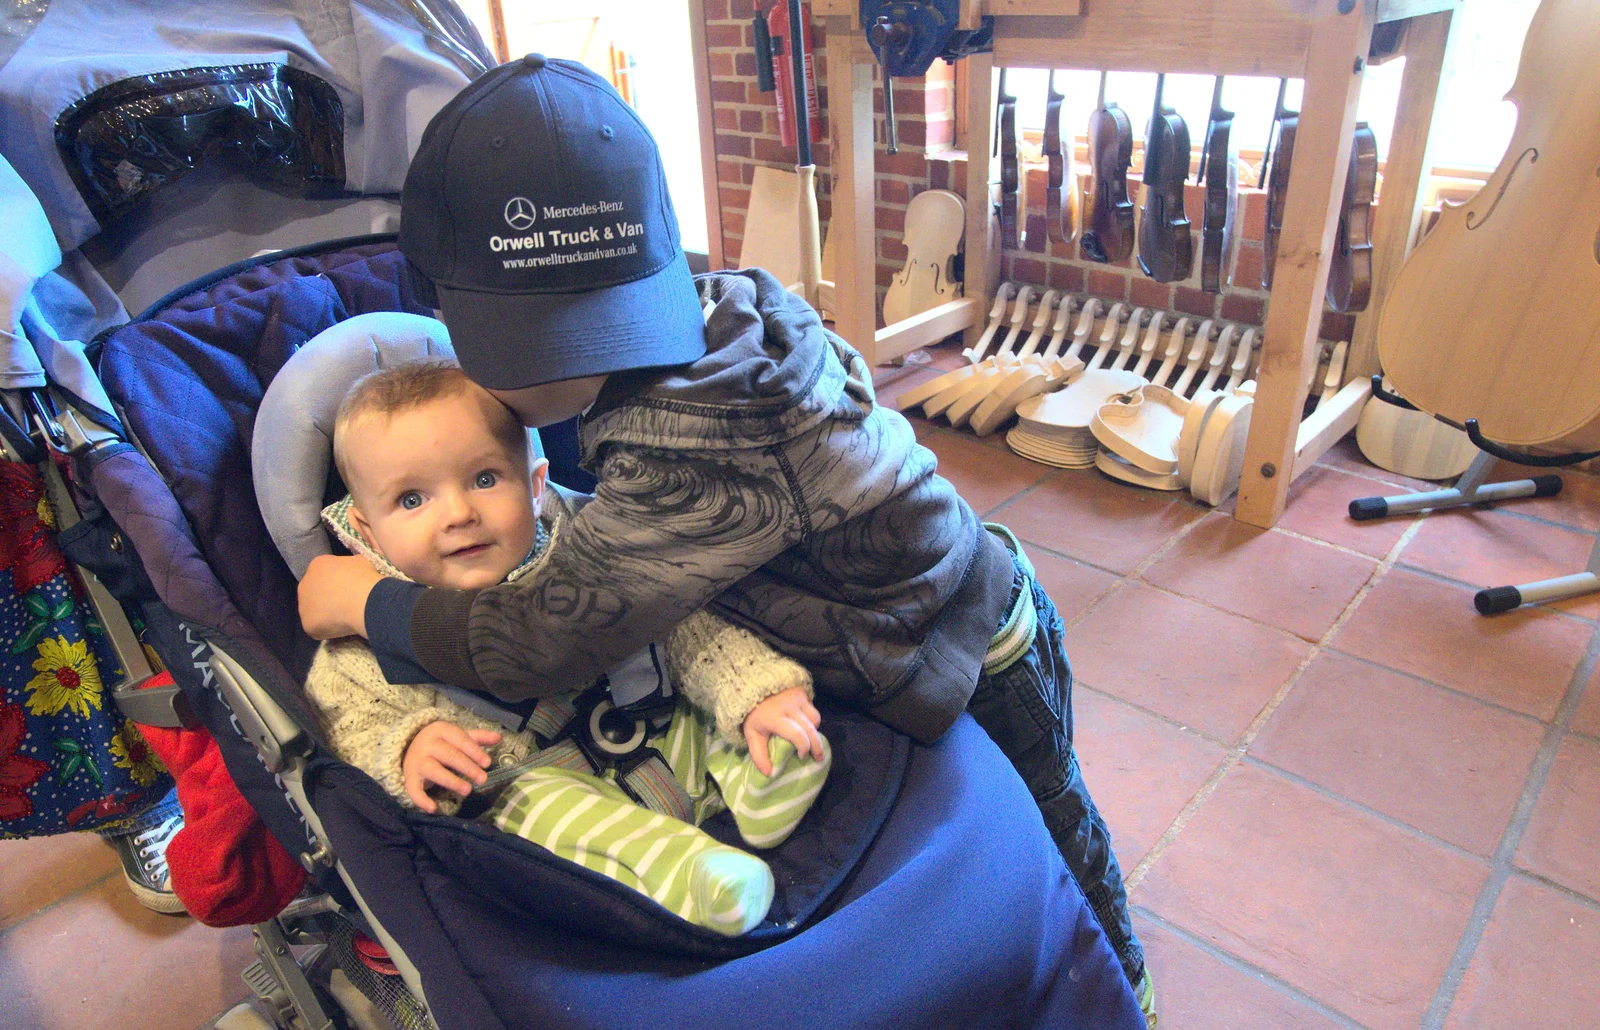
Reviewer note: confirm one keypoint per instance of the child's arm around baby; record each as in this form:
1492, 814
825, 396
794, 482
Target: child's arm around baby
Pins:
410, 739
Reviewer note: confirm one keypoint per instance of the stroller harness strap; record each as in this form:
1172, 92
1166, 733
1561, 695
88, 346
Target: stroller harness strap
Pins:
589, 734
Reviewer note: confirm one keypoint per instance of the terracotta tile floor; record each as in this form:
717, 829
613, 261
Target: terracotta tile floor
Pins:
1342, 798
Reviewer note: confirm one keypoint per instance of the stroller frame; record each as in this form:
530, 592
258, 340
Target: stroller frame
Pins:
44, 423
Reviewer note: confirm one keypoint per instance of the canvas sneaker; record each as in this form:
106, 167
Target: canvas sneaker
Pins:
144, 864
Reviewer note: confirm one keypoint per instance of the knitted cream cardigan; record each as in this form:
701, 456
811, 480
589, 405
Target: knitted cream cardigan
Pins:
720, 668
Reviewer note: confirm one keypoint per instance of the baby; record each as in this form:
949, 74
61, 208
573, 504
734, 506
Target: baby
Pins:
443, 492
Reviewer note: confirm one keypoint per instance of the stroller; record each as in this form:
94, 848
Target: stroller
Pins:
922, 890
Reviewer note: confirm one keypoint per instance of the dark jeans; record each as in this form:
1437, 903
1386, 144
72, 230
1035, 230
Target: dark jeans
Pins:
1026, 708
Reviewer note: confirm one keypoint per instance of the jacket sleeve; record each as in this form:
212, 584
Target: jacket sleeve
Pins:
369, 721
663, 534
726, 671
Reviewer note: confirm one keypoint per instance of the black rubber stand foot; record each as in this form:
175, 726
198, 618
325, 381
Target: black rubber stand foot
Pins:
1546, 486
1495, 600
1365, 508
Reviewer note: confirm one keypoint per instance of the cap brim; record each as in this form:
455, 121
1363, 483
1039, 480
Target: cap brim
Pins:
509, 341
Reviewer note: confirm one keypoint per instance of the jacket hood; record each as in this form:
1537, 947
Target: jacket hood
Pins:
770, 372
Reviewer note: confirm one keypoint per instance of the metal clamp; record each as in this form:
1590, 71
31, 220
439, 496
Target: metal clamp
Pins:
1519, 457
1389, 398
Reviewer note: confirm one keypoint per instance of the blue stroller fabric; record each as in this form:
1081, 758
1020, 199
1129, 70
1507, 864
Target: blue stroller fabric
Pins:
921, 891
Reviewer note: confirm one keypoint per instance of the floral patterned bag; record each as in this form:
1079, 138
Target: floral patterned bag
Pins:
68, 759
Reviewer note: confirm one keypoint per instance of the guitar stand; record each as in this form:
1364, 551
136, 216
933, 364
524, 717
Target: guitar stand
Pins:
1471, 489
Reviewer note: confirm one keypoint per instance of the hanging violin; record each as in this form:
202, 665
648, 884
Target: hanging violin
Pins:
1166, 245
1010, 179
1060, 218
1496, 314
1350, 273
1108, 231
1285, 125
1219, 171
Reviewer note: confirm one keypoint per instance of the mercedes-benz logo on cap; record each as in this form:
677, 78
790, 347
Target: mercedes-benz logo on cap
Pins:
520, 213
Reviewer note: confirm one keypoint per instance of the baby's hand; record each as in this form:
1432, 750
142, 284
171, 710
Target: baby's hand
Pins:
788, 714
436, 750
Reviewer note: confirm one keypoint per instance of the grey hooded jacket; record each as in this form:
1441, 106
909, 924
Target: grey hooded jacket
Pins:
764, 479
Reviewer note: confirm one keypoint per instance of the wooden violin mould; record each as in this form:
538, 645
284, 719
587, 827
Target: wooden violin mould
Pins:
1108, 231
1166, 246
1496, 314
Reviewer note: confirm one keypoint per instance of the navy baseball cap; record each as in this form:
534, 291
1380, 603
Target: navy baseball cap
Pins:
537, 206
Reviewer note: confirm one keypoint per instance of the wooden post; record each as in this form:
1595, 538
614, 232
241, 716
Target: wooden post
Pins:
1334, 64
708, 136
1427, 53
983, 237
851, 232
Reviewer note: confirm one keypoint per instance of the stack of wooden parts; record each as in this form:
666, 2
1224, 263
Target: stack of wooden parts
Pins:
1148, 396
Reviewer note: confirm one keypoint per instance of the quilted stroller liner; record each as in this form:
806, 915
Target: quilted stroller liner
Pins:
922, 890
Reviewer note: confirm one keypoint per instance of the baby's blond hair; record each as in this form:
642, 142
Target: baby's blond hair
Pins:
390, 391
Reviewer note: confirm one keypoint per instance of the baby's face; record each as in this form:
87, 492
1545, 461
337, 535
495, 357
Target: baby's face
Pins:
439, 495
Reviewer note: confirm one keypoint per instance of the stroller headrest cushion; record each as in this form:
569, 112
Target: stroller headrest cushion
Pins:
291, 450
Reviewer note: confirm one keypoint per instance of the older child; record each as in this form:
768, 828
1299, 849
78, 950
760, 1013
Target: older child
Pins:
439, 480
742, 462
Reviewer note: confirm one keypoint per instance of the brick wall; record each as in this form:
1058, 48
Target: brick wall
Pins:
746, 126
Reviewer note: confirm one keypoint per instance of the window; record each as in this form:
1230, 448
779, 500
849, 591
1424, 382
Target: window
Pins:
1472, 124
642, 49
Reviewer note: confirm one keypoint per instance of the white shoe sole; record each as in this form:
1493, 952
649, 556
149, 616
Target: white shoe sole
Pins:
164, 902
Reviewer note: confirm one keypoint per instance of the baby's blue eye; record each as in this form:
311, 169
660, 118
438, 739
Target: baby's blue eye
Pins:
486, 480
410, 500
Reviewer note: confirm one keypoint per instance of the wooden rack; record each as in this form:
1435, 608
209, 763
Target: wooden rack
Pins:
1324, 42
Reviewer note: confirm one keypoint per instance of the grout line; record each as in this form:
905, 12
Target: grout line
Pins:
1034, 548
58, 902
988, 514
1255, 972
1541, 607
1499, 506
1137, 572
1383, 817
1213, 606
1581, 899
1237, 751
1454, 691
1489, 895
1183, 727
1342, 548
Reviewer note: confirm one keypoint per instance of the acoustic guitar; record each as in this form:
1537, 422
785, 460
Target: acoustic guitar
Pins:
1496, 314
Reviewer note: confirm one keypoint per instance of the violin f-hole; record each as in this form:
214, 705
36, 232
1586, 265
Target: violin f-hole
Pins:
1471, 224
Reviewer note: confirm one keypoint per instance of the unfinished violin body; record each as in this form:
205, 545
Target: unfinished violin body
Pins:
1350, 271
1496, 314
935, 222
1108, 233
1166, 244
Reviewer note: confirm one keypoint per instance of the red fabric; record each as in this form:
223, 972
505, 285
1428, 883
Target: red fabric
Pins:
227, 868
